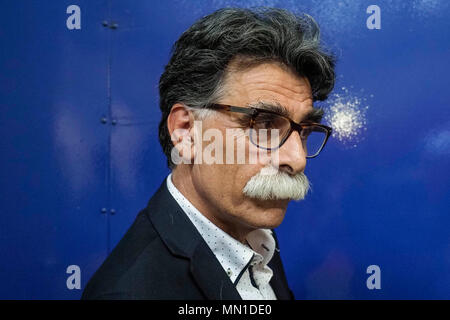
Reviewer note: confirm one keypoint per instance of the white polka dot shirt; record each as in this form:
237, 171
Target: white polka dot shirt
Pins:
245, 265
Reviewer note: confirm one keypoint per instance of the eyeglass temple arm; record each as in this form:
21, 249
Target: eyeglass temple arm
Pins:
226, 107
254, 111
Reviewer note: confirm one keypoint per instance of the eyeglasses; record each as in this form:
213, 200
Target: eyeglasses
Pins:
269, 130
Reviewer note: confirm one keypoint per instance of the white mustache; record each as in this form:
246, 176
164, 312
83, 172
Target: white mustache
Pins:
273, 184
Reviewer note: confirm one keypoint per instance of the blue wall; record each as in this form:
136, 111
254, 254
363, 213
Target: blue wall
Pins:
78, 134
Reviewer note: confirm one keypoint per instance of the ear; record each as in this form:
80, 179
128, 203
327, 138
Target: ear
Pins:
179, 124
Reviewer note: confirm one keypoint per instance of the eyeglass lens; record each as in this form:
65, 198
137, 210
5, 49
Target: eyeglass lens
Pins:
269, 131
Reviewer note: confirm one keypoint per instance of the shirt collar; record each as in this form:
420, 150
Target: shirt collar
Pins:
232, 254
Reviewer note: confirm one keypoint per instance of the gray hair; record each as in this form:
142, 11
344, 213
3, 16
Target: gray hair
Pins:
196, 72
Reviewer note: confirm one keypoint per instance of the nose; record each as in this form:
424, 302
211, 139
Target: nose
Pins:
292, 155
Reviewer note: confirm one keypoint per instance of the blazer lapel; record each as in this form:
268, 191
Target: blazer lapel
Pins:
278, 282
183, 239
210, 276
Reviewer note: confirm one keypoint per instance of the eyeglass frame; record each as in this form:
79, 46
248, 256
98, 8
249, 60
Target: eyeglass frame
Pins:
253, 112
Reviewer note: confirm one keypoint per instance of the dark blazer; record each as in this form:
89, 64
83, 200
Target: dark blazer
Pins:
163, 256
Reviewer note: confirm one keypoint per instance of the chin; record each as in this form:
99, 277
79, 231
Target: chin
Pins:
270, 213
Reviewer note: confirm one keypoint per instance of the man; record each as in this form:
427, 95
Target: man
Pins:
207, 232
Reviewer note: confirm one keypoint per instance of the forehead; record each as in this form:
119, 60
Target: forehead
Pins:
269, 83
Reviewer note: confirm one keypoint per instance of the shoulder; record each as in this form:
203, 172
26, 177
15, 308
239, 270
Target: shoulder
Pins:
142, 267
126, 256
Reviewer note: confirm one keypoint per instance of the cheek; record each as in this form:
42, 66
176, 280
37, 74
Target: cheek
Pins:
229, 161
239, 173
219, 179
241, 177
226, 182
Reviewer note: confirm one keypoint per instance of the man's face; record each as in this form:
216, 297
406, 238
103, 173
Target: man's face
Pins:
221, 185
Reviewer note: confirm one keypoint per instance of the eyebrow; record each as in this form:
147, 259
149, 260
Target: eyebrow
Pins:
314, 115
275, 107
